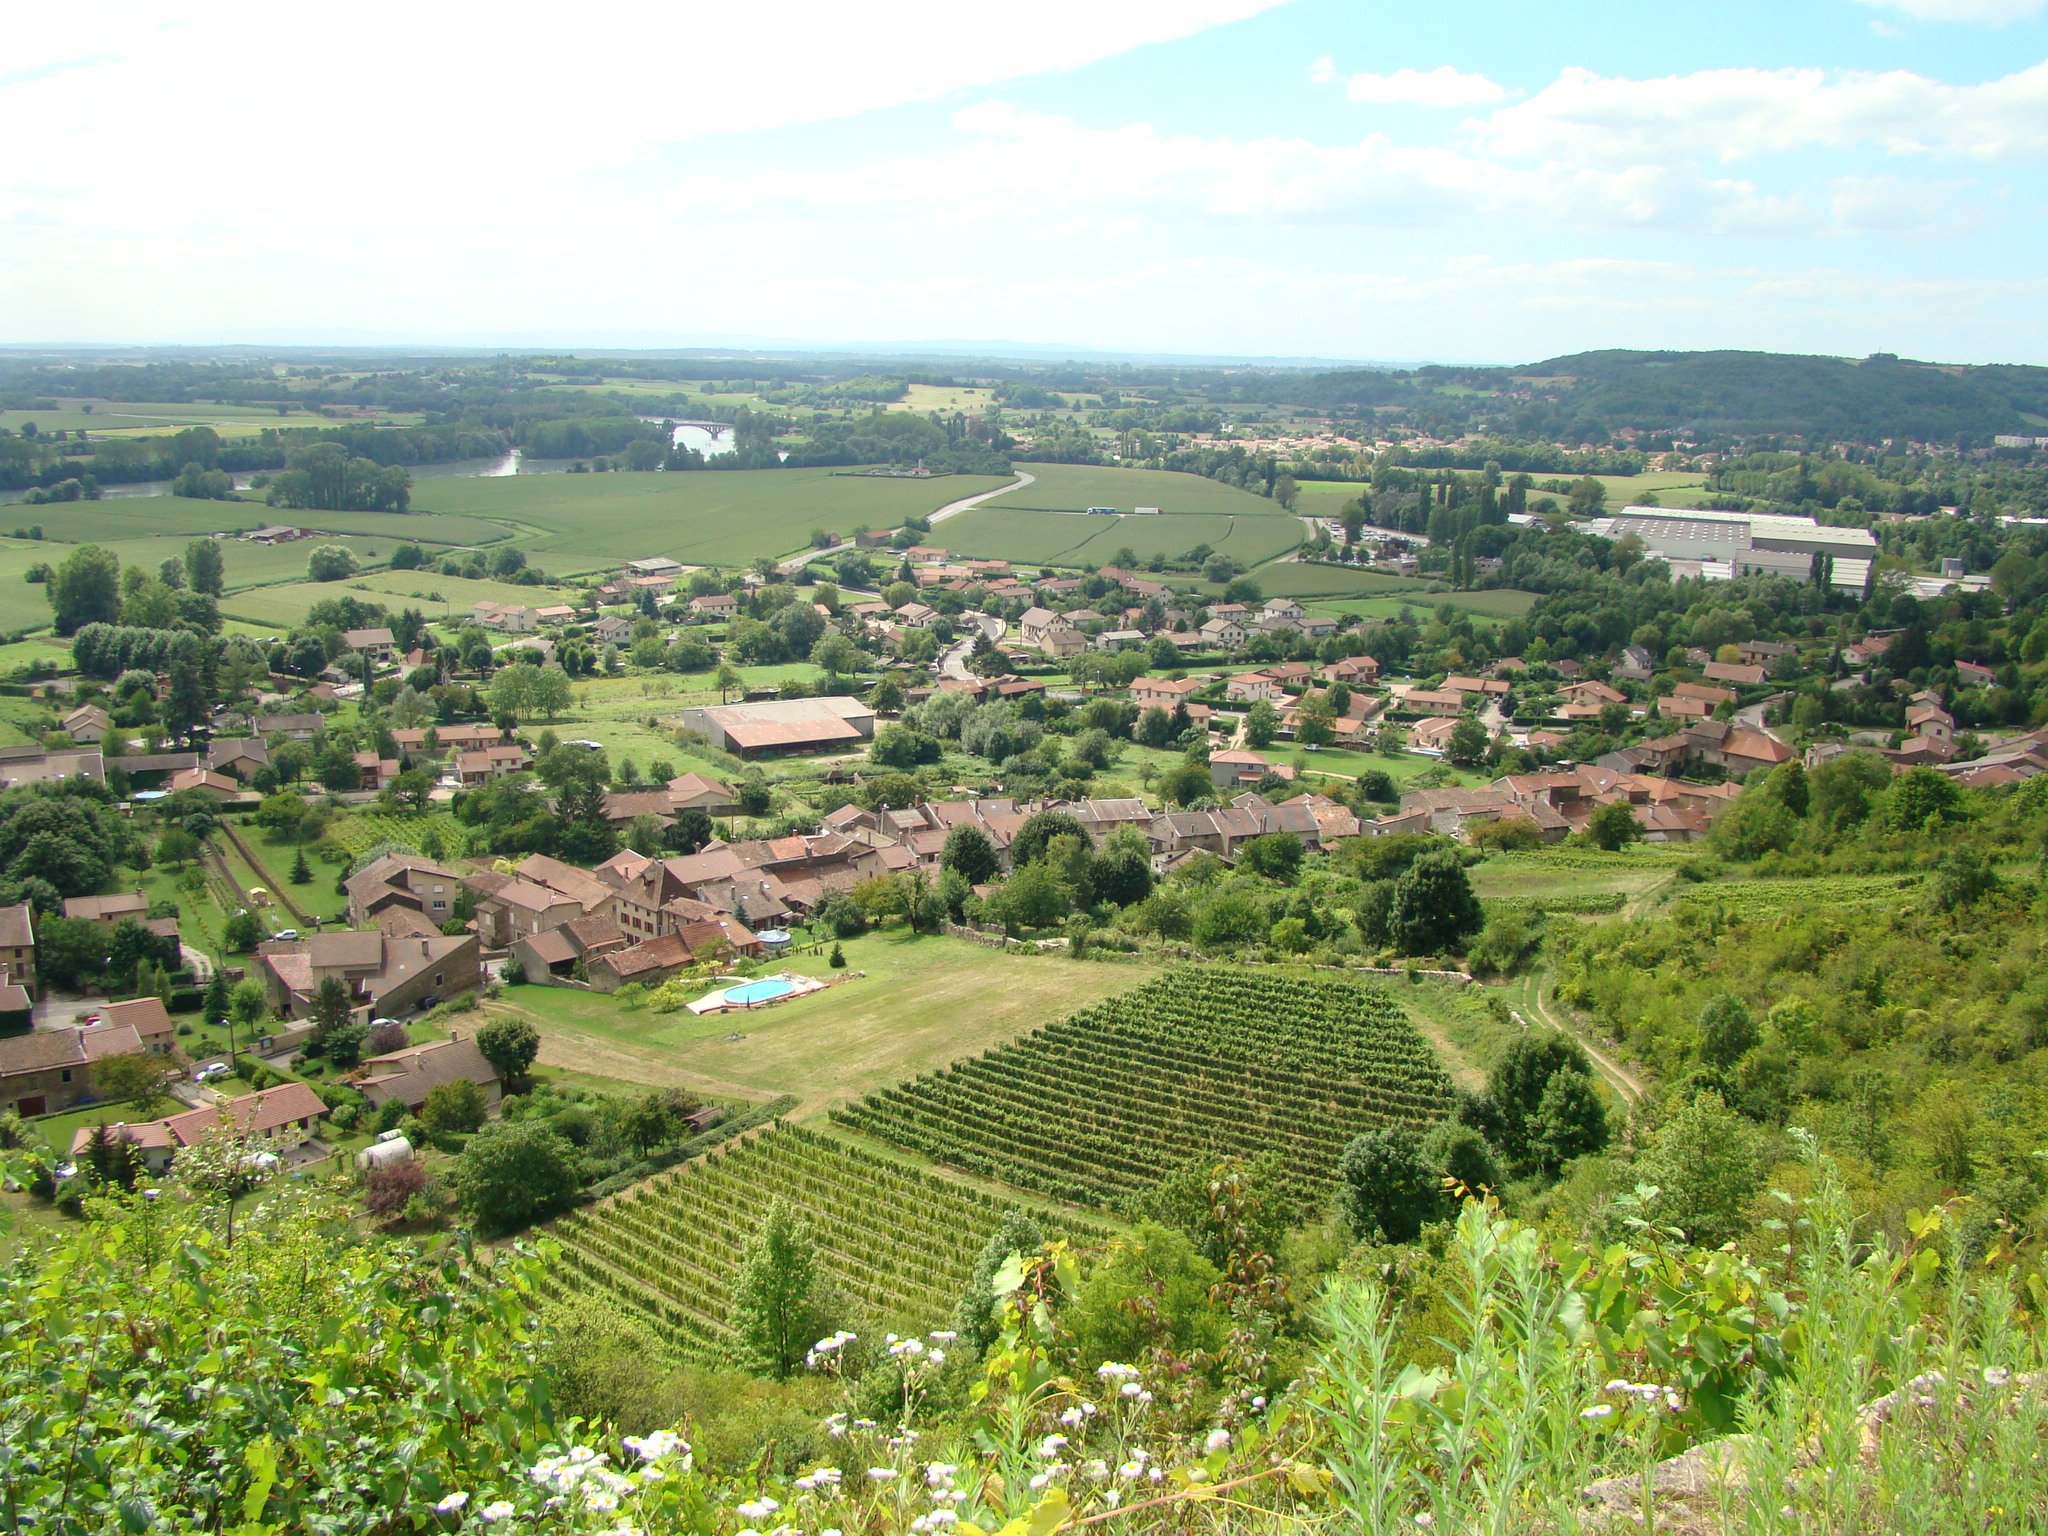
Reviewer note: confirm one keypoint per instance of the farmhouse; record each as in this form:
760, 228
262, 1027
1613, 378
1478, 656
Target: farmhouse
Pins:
18, 945
383, 975
49, 1069
283, 1116
148, 1017
514, 618
408, 1076
402, 880
377, 644
88, 723
1164, 693
107, 910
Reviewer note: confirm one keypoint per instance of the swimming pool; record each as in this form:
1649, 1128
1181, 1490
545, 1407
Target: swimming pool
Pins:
763, 991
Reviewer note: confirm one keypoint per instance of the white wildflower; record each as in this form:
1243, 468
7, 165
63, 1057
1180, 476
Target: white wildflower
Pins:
1051, 1446
496, 1510
1597, 1411
881, 1474
1259, 1402
936, 1356
757, 1509
942, 1336
1113, 1497
1110, 1370
1219, 1440
939, 1474
453, 1502
1130, 1389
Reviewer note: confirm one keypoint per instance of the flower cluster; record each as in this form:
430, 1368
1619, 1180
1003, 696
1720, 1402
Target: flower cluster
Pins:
829, 1351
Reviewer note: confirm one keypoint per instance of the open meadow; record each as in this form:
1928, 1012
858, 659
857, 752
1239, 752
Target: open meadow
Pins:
921, 1003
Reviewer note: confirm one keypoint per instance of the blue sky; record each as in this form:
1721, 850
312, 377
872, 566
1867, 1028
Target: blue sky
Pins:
1334, 178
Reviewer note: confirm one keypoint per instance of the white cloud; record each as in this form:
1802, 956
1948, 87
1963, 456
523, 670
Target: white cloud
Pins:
401, 85
1439, 87
1997, 12
1734, 114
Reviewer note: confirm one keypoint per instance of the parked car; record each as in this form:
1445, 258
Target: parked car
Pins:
211, 1071
286, 933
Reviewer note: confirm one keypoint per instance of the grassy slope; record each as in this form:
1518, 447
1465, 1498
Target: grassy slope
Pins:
1076, 487
1000, 531
923, 1002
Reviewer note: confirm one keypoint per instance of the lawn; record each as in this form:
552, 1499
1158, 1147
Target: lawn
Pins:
1295, 578
136, 418
1340, 762
1076, 487
576, 523
998, 530
921, 1003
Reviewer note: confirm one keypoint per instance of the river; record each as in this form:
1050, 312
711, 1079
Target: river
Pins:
708, 438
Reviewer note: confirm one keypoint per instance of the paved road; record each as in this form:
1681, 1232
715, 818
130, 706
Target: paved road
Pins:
796, 563
953, 659
965, 503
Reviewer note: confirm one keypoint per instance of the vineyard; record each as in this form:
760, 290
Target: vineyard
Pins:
358, 832
1746, 900
1203, 1062
898, 1244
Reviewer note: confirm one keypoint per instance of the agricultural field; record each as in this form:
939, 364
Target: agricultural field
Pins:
443, 599
920, 1002
1749, 900
1204, 1062
1491, 605
898, 1242
1302, 579
146, 418
1077, 487
999, 530
1574, 880
576, 523
359, 831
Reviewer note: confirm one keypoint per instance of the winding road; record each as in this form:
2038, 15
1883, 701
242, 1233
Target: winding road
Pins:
796, 563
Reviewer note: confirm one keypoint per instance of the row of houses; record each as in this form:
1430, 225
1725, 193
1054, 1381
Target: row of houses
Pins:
1559, 802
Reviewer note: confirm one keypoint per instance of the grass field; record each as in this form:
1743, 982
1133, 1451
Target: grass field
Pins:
1564, 876
1323, 498
1295, 578
1491, 605
1000, 531
145, 418
1076, 487
440, 598
574, 523
922, 1003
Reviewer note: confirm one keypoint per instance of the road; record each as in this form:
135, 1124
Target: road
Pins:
796, 563
967, 503
953, 659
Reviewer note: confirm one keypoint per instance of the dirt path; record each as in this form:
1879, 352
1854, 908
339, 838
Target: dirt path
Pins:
1557, 1016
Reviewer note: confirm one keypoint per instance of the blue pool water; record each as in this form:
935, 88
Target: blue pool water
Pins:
760, 991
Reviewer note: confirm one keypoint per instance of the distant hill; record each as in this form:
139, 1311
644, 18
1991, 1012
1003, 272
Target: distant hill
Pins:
1712, 394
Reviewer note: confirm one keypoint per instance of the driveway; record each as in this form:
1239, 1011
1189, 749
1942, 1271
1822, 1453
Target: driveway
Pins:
953, 659
53, 1012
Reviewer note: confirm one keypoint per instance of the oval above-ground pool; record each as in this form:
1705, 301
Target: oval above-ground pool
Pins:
763, 991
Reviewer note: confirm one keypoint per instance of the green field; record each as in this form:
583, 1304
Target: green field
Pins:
148, 418
1295, 578
1000, 531
440, 598
1077, 487
921, 1003
1323, 498
575, 523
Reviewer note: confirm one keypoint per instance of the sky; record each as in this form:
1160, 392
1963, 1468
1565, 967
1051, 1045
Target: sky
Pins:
1492, 181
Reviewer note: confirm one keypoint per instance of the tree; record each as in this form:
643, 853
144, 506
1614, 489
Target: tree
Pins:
1033, 897
653, 1120
513, 1173
331, 562
838, 957
85, 589
205, 569
1261, 725
389, 1188
1154, 727
1570, 1121
1276, 855
111, 1158
779, 1299
302, 872
1037, 833
336, 1035
1613, 826
136, 1078
1707, 1163
1121, 874
1433, 906
1315, 721
975, 1319
454, 1108
691, 831
510, 1046
1458, 1152
1728, 1031
1468, 742
1386, 1188
242, 932
969, 852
